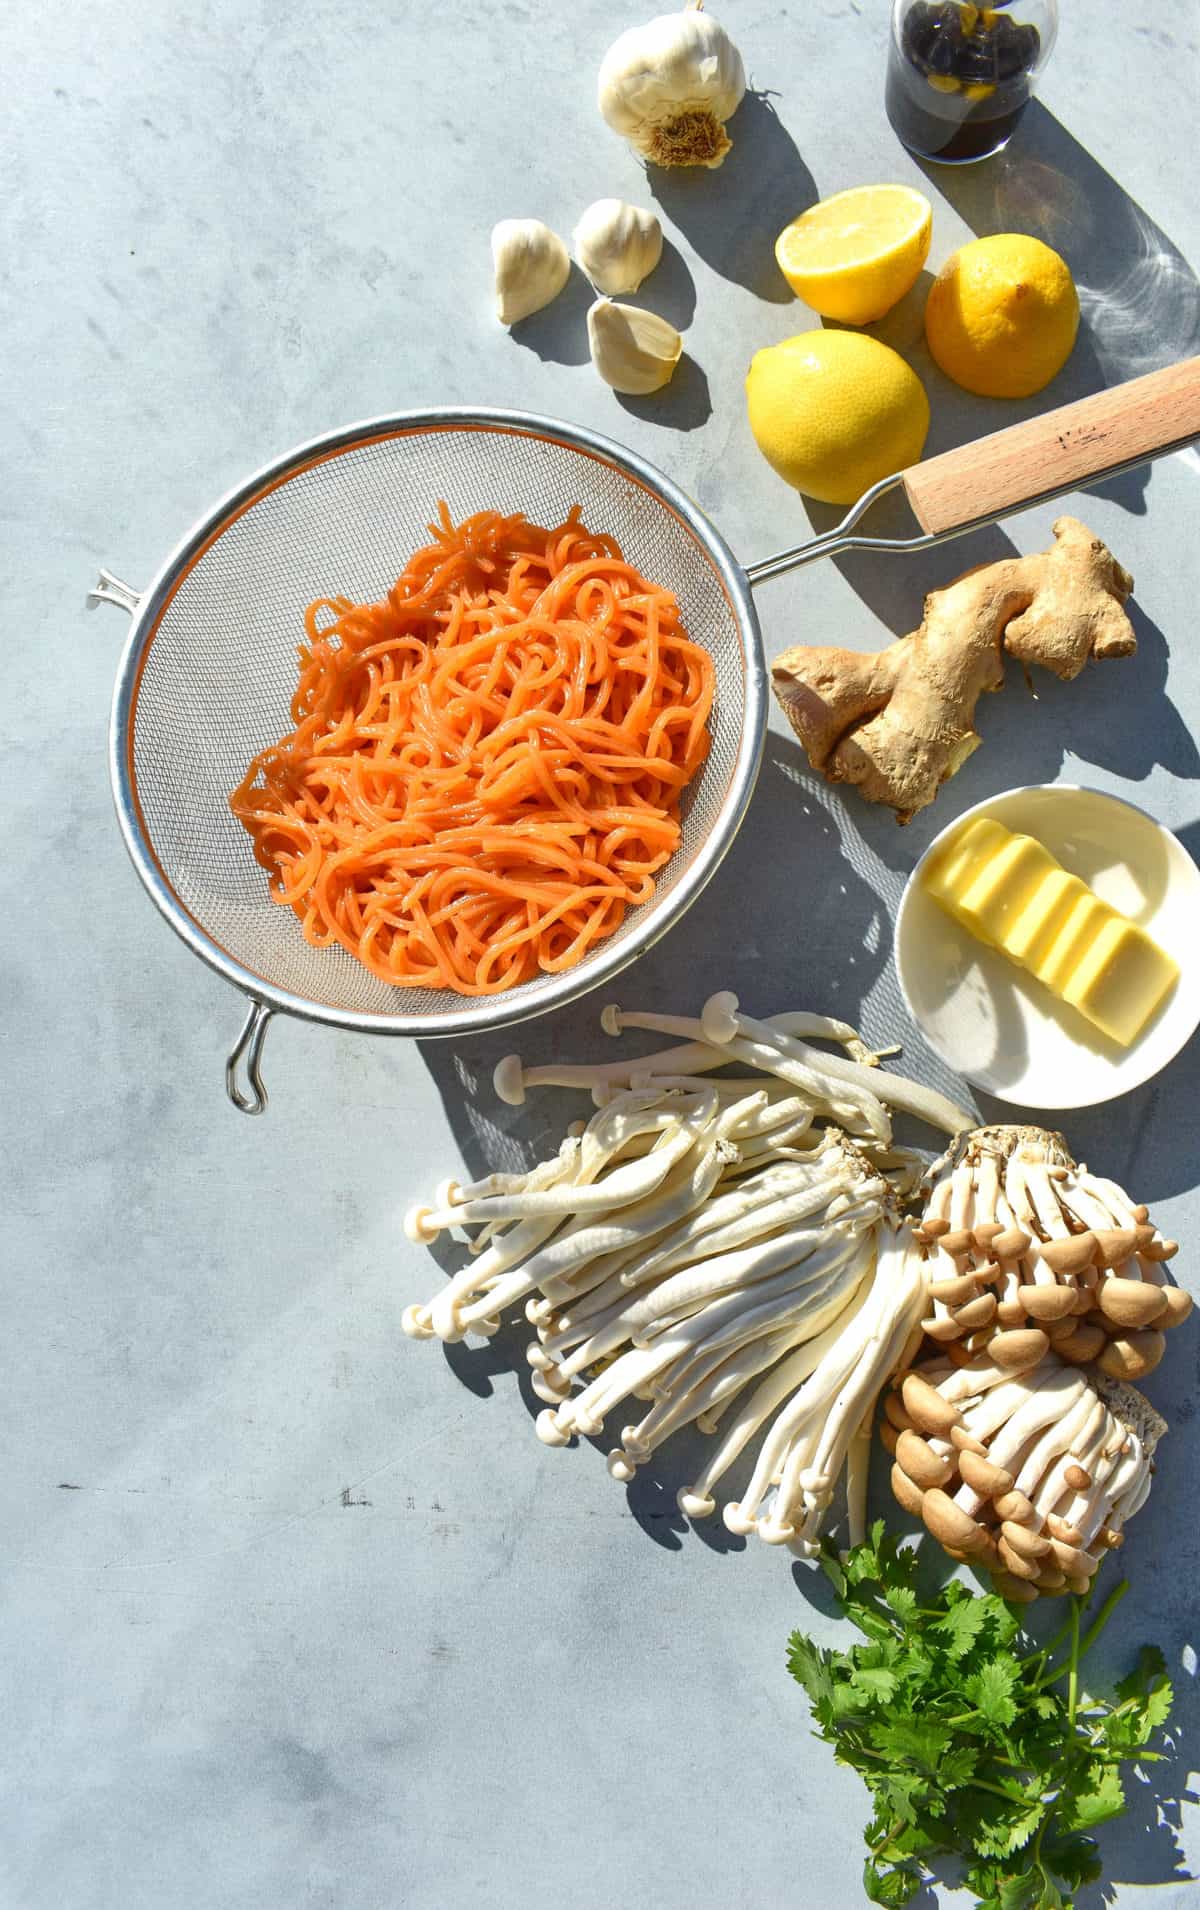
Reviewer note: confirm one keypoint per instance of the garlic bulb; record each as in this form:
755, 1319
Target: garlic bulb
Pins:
617, 245
669, 87
531, 267
634, 351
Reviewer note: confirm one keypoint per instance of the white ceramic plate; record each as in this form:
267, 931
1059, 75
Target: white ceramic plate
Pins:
999, 1027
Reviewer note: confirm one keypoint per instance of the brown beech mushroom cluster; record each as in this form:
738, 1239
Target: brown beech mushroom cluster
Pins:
1029, 1471
1027, 1250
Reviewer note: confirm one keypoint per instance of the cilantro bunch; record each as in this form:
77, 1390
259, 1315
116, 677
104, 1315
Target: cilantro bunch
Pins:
969, 1749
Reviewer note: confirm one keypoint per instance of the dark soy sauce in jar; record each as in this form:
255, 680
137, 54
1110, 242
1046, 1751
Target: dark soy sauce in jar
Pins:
959, 77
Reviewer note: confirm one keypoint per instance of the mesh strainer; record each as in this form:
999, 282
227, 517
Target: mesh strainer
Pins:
207, 675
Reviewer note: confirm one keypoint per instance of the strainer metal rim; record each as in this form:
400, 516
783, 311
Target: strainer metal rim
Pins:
476, 1015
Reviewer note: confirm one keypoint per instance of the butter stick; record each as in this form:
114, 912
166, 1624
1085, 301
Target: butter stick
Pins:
1013, 895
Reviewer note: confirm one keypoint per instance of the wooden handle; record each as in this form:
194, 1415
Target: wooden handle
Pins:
1060, 451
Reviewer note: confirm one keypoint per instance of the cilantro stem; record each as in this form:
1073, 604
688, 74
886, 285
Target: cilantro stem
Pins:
1079, 1647
1073, 1669
1103, 1615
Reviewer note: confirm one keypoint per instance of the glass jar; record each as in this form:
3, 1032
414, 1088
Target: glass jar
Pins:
959, 77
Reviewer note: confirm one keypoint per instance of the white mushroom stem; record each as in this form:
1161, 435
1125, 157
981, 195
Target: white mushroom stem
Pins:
723, 1022
1072, 1405
805, 1448
696, 1501
855, 1111
619, 1188
1051, 1488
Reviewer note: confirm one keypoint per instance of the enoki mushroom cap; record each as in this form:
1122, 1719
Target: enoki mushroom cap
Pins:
508, 1080
416, 1323
610, 1019
693, 1504
719, 1018
549, 1431
416, 1225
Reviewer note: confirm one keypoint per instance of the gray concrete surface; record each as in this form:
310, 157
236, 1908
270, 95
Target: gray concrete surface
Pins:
297, 1613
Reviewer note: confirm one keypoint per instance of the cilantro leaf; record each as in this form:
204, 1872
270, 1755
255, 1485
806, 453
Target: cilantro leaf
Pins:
1073, 1857
809, 1666
874, 1681
961, 1626
893, 1887
990, 1690
1102, 1796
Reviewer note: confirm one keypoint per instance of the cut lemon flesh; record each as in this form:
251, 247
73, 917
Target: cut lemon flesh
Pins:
854, 256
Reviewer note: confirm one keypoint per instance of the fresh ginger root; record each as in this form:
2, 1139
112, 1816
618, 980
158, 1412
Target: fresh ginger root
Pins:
900, 723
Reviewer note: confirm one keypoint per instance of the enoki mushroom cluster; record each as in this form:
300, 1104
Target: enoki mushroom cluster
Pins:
1030, 1474
1028, 1249
726, 1252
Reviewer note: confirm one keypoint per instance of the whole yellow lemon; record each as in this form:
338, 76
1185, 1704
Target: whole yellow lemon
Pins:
1002, 315
834, 412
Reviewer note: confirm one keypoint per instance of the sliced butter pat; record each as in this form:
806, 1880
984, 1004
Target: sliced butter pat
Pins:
1035, 927
963, 855
1083, 922
990, 902
1121, 980
1011, 894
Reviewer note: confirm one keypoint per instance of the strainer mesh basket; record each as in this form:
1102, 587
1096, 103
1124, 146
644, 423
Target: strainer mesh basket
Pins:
211, 668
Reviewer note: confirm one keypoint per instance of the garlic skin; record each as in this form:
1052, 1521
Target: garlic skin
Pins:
634, 351
668, 87
531, 267
617, 245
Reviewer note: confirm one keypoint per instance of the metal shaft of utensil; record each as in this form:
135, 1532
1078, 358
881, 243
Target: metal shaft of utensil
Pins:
841, 537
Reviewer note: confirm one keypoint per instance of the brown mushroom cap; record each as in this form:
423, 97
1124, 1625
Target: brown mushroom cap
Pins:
1131, 1302
1011, 1313
1050, 1579
1016, 1590
1177, 1305
1077, 1478
1114, 1245
1059, 1529
896, 1412
1083, 1345
955, 1241
926, 1407
888, 1436
1030, 1544
1133, 1355
924, 1466
1010, 1243
1047, 1303
1019, 1349
906, 1493
948, 1522
1070, 1254
1073, 1560
1014, 1562
986, 1234
954, 1289
976, 1313
946, 1328
1016, 1507
966, 1441
978, 1472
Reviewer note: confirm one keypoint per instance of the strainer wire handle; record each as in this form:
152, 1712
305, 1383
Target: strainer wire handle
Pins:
249, 1044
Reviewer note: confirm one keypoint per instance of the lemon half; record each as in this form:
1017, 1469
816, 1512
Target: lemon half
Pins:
855, 255
834, 412
1002, 315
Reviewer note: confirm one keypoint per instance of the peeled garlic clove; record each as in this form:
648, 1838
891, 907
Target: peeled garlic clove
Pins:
617, 245
634, 351
531, 267
669, 87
